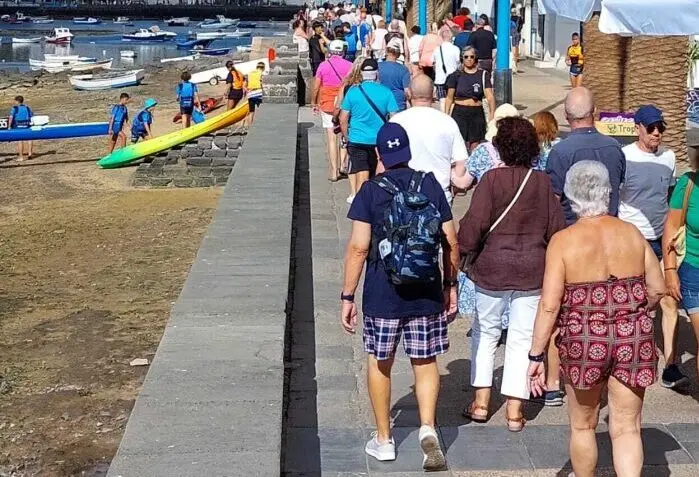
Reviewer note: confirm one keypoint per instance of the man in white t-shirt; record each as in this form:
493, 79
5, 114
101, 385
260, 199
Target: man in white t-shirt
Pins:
435, 141
414, 40
643, 202
446, 59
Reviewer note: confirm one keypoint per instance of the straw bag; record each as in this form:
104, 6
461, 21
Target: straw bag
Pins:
678, 243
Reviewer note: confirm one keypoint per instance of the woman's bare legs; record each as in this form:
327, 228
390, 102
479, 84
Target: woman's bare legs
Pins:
553, 367
583, 411
625, 405
694, 317
668, 305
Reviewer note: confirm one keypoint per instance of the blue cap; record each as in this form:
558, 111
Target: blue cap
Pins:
149, 103
393, 145
647, 115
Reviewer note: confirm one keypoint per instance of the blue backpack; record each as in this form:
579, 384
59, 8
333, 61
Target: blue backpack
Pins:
119, 115
410, 234
21, 116
351, 40
186, 93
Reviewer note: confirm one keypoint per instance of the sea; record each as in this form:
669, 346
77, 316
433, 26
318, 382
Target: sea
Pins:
103, 41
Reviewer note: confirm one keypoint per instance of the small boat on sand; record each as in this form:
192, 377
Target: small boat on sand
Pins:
179, 58
244, 48
107, 81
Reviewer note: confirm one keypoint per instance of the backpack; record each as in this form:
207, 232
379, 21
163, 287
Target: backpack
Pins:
410, 234
21, 116
186, 93
119, 115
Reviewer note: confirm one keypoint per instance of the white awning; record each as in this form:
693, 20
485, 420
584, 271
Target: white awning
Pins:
632, 17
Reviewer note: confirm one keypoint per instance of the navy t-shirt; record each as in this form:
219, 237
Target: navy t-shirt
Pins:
380, 298
395, 77
461, 39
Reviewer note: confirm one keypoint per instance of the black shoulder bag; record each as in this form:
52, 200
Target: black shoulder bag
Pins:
441, 53
373, 105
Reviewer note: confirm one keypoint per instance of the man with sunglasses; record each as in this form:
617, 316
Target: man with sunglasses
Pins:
650, 173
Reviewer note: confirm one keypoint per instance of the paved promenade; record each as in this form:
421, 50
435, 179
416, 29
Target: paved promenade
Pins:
329, 417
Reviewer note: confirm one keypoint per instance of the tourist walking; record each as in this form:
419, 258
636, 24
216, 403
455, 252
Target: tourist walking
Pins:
601, 281
396, 77
428, 44
503, 239
467, 87
317, 46
414, 48
20, 117
681, 248
547, 131
584, 143
378, 40
397, 39
300, 35
436, 145
326, 87
446, 59
575, 59
650, 173
353, 78
365, 108
118, 120
408, 301
483, 41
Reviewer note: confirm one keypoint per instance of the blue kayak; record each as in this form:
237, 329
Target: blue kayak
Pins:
187, 44
54, 131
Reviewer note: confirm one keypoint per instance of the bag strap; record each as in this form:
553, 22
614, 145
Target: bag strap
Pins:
387, 184
373, 105
416, 181
687, 194
441, 53
512, 203
336, 73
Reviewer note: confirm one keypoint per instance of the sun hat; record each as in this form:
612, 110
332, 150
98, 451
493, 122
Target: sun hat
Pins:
393, 145
336, 47
149, 103
505, 110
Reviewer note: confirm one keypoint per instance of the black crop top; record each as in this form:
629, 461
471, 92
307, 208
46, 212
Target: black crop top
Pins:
469, 85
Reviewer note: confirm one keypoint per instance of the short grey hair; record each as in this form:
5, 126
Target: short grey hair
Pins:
579, 104
467, 49
587, 187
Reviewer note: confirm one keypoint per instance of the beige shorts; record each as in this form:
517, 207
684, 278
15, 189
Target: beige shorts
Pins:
327, 120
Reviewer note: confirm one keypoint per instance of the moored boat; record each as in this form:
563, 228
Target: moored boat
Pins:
107, 81
219, 22
247, 25
42, 20
210, 51
127, 54
60, 36
191, 43
25, 41
179, 21
179, 58
244, 48
86, 21
214, 35
123, 21
144, 35
238, 34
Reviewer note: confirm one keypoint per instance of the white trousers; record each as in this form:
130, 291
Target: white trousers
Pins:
487, 327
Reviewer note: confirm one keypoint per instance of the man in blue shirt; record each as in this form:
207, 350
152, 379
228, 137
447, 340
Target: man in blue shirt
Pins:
395, 77
365, 109
585, 143
415, 312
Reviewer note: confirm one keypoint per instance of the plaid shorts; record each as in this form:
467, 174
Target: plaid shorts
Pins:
441, 91
423, 337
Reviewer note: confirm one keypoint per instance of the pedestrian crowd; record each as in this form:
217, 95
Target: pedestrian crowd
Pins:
569, 248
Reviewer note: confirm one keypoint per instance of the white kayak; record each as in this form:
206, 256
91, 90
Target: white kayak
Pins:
41, 120
219, 74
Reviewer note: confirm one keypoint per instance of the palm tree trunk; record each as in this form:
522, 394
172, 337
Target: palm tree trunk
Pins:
627, 72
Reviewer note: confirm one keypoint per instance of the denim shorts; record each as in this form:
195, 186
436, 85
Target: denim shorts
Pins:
689, 287
657, 246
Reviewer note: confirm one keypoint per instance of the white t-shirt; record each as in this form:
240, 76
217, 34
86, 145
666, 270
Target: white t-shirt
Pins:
643, 194
452, 60
313, 14
435, 142
379, 37
414, 46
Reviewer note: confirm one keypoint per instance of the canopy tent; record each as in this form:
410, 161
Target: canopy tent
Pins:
632, 17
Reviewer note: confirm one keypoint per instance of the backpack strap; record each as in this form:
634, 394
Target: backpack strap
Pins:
441, 53
386, 184
416, 181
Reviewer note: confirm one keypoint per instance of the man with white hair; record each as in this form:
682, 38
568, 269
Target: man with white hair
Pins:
585, 143
396, 39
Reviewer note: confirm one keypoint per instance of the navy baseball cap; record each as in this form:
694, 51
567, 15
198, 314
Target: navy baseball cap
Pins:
647, 115
393, 145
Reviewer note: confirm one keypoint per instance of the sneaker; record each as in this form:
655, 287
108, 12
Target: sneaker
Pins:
672, 376
433, 458
379, 451
350, 199
553, 398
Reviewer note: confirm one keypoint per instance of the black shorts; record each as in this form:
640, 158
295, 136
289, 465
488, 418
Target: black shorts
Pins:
471, 122
362, 157
429, 71
235, 94
188, 110
486, 64
253, 103
314, 68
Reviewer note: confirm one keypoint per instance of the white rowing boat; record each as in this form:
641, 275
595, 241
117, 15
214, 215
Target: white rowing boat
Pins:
25, 41
107, 81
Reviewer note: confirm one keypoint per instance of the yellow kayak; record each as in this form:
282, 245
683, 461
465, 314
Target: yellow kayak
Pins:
131, 153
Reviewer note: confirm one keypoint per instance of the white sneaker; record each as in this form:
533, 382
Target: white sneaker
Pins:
429, 443
350, 199
382, 452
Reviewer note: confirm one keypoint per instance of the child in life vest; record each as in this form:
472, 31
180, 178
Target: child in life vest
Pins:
141, 126
118, 122
188, 97
20, 118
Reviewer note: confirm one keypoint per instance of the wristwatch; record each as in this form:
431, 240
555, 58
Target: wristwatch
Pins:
450, 282
349, 298
537, 358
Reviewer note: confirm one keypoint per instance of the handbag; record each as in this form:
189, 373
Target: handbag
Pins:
470, 258
678, 243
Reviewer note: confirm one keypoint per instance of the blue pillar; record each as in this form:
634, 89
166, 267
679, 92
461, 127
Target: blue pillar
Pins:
389, 11
422, 15
503, 73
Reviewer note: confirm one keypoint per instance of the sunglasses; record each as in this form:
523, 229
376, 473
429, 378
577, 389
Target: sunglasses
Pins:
469, 57
650, 129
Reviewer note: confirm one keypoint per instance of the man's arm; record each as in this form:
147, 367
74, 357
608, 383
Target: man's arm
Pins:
556, 168
355, 255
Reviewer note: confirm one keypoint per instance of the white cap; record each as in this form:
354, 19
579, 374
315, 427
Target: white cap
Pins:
336, 47
321, 10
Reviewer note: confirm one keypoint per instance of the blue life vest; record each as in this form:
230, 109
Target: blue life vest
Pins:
21, 116
364, 31
119, 116
185, 91
138, 127
351, 40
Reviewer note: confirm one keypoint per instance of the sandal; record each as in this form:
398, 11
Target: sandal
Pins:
515, 424
470, 412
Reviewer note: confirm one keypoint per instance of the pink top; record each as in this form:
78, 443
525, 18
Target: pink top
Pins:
328, 76
429, 43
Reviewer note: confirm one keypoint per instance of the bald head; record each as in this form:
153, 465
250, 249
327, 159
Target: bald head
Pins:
421, 89
580, 105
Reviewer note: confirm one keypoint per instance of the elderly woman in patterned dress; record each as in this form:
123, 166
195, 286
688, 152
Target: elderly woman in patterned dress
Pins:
601, 280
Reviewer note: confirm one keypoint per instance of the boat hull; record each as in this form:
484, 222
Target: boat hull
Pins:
55, 131
89, 83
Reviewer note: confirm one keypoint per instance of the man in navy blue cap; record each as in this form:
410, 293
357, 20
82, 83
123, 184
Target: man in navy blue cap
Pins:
650, 173
417, 312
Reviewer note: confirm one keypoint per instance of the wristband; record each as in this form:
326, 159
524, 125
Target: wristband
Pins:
349, 298
538, 358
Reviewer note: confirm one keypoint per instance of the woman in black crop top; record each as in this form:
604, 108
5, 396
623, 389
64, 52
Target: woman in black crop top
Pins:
466, 88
